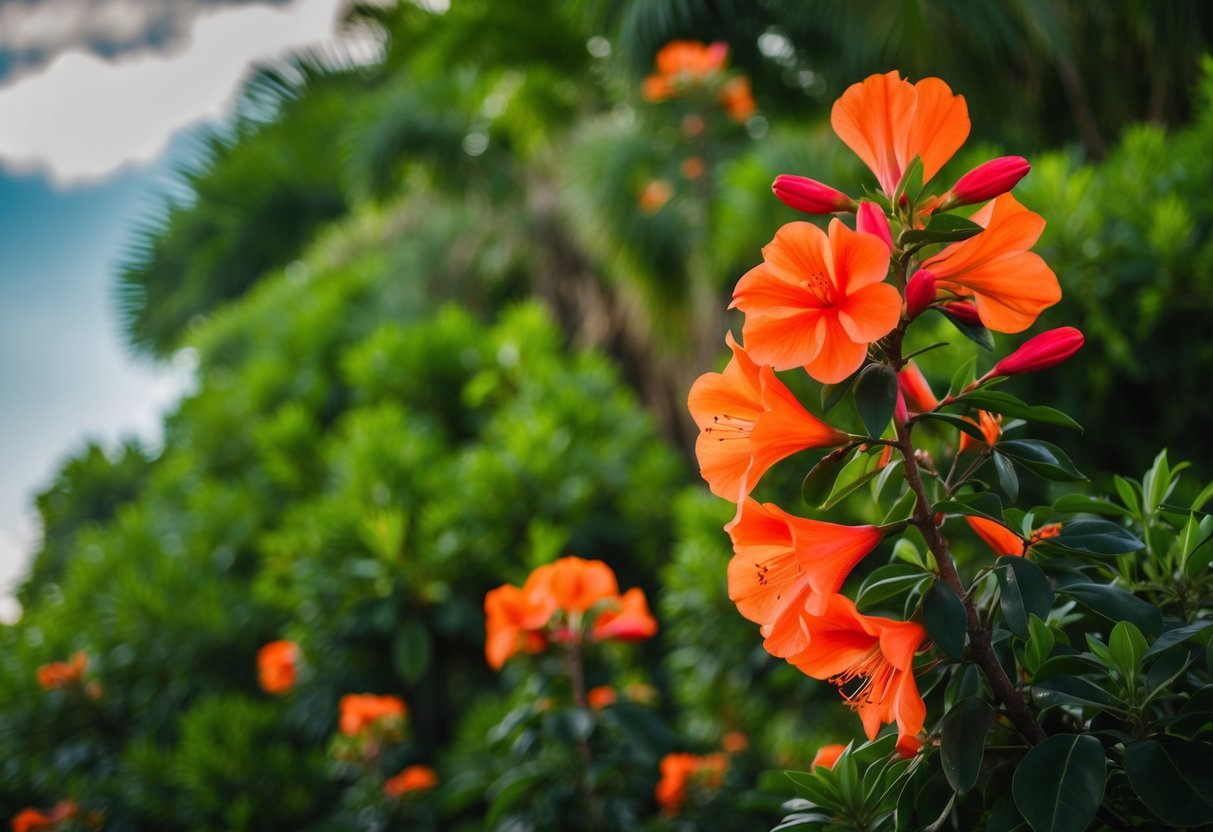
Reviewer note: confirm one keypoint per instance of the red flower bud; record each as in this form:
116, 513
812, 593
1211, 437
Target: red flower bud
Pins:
963, 311
900, 414
1040, 353
872, 220
920, 293
987, 181
810, 196
913, 385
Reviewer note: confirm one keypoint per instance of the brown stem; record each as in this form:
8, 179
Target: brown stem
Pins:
577, 680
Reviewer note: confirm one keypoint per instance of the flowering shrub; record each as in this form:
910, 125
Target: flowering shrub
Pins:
1058, 686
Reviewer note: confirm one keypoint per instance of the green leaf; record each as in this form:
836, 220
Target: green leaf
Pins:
1116, 604
411, 651
816, 789
979, 335
1128, 492
1041, 458
1172, 637
819, 482
903, 509
943, 615
962, 742
905, 550
1127, 646
997, 401
943, 228
1156, 483
963, 376
910, 185
1076, 503
1074, 690
1040, 643
887, 582
1096, 537
1007, 477
854, 474
1059, 784
1174, 780
875, 397
983, 504
832, 394
1025, 592
958, 422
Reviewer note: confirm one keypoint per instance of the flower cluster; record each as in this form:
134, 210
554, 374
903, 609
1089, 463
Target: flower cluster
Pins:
569, 600
63, 815
837, 302
366, 713
413, 779
680, 770
685, 67
69, 676
277, 665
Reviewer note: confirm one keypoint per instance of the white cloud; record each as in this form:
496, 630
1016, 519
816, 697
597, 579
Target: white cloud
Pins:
14, 546
83, 118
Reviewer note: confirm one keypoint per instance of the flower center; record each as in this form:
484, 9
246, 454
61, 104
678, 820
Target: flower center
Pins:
867, 680
819, 285
725, 427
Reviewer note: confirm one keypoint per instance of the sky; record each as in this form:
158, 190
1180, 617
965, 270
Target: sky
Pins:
98, 99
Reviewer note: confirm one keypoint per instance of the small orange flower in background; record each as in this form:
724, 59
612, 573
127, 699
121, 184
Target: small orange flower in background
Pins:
680, 769
888, 121
692, 167
748, 420
827, 755
600, 697
1009, 285
364, 712
991, 428
682, 64
871, 660
737, 99
56, 675
526, 618
33, 820
412, 779
785, 565
276, 666
735, 742
816, 301
654, 196
1006, 542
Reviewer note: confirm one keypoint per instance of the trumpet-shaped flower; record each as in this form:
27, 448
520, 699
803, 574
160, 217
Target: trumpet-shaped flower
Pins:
748, 420
1006, 542
784, 565
990, 425
628, 620
888, 121
916, 389
573, 584
871, 660
677, 772
514, 619
361, 712
817, 301
1010, 285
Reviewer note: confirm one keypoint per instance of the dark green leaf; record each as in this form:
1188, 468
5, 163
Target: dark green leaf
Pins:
1004, 817
1074, 690
943, 228
983, 504
815, 789
1096, 537
1041, 458
997, 401
1172, 637
1075, 503
979, 335
888, 581
943, 615
962, 742
1059, 784
854, 474
1007, 477
1025, 592
1174, 780
411, 651
832, 394
1116, 604
819, 482
958, 422
875, 397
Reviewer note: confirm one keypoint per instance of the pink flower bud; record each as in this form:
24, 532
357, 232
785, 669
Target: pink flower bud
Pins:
872, 220
1046, 350
900, 414
810, 196
963, 311
920, 293
987, 181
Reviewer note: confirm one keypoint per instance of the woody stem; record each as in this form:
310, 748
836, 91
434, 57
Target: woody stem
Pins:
576, 671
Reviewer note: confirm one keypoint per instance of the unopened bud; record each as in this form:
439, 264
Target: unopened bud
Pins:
1046, 350
899, 410
987, 181
810, 196
913, 385
920, 293
871, 219
962, 311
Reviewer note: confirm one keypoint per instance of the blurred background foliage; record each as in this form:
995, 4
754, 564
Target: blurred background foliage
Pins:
443, 336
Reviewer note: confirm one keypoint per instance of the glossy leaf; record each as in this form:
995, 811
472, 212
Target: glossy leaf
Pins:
1041, 458
889, 581
1076, 503
958, 422
1096, 537
1174, 779
1172, 637
943, 228
819, 482
1074, 690
962, 742
854, 474
943, 615
997, 401
1007, 478
875, 397
1059, 784
1127, 646
984, 504
1025, 592
1116, 604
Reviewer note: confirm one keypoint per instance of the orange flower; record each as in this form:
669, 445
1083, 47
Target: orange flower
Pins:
827, 755
362, 712
513, 620
55, 675
735, 742
915, 389
736, 98
871, 660
785, 565
817, 301
573, 584
600, 697
1010, 285
654, 196
888, 121
991, 428
748, 420
677, 771
682, 64
411, 779
629, 621
276, 666
1006, 542
33, 820
692, 167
